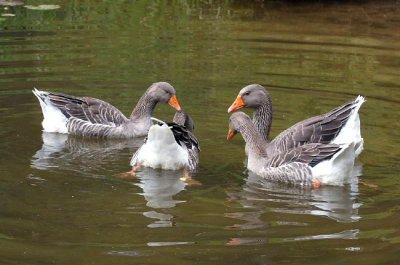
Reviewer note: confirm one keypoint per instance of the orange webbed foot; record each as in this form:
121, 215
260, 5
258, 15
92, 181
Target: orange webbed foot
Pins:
189, 180
130, 174
316, 184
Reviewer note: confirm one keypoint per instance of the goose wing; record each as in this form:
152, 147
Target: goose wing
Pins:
183, 135
186, 137
295, 166
319, 129
89, 110
309, 154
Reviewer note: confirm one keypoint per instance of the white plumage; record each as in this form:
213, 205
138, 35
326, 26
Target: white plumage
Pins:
351, 131
53, 119
161, 150
339, 169
169, 145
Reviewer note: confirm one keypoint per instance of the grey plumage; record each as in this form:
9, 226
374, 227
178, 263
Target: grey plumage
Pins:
184, 120
319, 129
292, 166
91, 117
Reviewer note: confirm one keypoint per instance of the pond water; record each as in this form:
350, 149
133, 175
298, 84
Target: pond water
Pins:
60, 199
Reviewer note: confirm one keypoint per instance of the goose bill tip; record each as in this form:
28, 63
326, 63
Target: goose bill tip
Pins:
173, 101
231, 134
237, 104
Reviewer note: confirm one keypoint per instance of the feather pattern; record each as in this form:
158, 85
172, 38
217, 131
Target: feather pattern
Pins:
324, 128
169, 145
91, 117
328, 163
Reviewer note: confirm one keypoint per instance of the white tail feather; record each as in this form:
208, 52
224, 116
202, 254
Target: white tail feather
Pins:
53, 119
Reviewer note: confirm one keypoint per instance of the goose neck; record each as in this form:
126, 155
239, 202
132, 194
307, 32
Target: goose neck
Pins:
144, 107
254, 142
262, 119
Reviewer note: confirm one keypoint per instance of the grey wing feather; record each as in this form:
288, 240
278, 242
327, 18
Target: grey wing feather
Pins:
319, 129
87, 109
309, 154
89, 129
193, 158
186, 137
295, 165
295, 173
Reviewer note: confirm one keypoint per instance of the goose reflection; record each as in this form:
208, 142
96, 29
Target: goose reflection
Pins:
61, 152
159, 188
259, 198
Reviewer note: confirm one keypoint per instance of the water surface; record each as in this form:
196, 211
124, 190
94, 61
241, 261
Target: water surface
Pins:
61, 202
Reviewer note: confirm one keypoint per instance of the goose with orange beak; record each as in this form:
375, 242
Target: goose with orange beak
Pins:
92, 117
307, 165
341, 125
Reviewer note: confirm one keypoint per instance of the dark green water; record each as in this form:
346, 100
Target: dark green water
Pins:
60, 202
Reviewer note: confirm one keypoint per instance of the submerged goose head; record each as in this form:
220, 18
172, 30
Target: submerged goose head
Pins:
163, 92
183, 119
251, 96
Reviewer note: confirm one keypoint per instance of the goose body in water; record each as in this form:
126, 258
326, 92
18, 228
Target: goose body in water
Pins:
169, 145
338, 126
91, 117
310, 164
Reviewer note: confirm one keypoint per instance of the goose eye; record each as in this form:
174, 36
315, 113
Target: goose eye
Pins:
247, 93
167, 92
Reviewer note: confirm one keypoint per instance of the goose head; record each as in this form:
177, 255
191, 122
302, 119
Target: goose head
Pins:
183, 119
237, 123
251, 96
164, 92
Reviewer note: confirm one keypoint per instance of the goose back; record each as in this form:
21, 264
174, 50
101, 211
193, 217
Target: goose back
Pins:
329, 163
87, 109
324, 128
91, 117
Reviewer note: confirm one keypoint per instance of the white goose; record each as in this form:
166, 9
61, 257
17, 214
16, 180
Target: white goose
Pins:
310, 164
169, 145
340, 125
93, 117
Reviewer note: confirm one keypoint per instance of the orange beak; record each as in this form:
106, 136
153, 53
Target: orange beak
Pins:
230, 134
174, 103
237, 104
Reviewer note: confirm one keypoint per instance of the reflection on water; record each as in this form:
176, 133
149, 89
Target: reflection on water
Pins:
159, 244
311, 56
80, 155
61, 152
159, 187
259, 198
346, 234
337, 203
